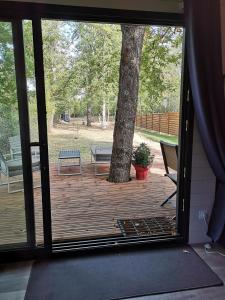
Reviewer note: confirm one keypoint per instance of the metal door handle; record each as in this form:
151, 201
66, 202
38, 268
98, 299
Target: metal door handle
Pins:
34, 144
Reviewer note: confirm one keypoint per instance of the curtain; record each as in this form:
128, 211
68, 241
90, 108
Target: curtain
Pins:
204, 54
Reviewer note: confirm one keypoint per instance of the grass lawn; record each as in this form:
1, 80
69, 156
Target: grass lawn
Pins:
65, 138
156, 136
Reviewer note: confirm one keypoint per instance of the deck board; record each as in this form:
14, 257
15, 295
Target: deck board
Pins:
86, 205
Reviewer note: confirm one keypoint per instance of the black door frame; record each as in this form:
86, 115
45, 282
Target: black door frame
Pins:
21, 84
16, 12
22, 101
43, 138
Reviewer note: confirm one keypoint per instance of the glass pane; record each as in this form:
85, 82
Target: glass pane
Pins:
12, 211
82, 63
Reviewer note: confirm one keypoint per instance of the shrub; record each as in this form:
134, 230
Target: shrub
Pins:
142, 156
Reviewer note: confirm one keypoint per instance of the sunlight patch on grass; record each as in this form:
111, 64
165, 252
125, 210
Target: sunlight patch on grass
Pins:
157, 137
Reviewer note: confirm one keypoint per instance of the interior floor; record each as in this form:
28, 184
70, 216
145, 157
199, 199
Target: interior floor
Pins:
14, 279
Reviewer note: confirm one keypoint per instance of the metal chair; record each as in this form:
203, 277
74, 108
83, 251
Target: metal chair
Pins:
15, 148
100, 155
14, 167
69, 154
170, 155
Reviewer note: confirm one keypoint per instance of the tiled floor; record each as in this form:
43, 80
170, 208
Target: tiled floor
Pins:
14, 278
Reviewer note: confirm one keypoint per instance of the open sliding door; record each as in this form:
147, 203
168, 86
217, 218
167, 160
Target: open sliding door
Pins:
87, 210
17, 227
23, 164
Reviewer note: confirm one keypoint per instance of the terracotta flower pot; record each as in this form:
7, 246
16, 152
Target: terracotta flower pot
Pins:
141, 172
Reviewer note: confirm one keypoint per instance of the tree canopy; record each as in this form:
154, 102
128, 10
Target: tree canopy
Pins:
8, 97
82, 66
81, 63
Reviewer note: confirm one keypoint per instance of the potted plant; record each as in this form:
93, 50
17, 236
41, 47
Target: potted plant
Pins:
142, 160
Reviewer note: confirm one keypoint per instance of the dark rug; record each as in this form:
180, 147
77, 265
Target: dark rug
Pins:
120, 275
154, 226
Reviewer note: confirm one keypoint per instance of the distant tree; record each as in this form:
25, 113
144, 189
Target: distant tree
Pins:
81, 64
98, 64
158, 77
9, 118
83, 58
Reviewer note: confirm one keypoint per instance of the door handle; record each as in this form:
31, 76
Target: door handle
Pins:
34, 144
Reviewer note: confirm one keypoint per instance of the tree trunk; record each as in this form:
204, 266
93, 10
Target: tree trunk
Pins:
108, 115
132, 42
103, 115
51, 121
88, 114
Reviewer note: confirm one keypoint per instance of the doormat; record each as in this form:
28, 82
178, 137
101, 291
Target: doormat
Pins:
151, 227
120, 275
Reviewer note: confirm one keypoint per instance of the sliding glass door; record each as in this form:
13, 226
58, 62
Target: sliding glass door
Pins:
81, 64
58, 98
21, 222
13, 227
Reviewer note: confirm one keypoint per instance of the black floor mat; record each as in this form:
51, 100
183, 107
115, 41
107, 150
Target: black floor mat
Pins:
120, 275
154, 226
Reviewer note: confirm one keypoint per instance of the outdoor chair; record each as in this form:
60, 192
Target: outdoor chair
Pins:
170, 155
69, 155
12, 168
100, 155
15, 148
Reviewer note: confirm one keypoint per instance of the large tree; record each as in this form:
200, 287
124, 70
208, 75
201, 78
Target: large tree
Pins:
132, 43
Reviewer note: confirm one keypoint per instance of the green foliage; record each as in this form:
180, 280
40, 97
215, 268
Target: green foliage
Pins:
81, 64
8, 98
7, 69
82, 67
142, 156
160, 68
97, 63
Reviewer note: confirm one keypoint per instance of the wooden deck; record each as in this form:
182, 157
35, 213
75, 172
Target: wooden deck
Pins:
87, 206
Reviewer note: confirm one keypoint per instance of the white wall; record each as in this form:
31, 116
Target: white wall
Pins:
202, 191
146, 5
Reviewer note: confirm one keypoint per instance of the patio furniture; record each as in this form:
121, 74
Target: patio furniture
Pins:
69, 155
100, 155
170, 154
14, 167
15, 148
